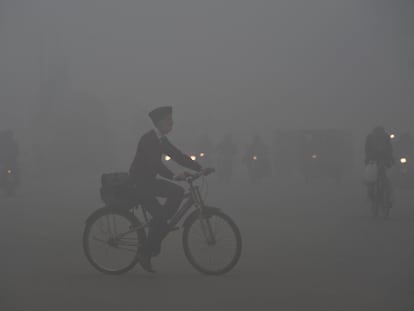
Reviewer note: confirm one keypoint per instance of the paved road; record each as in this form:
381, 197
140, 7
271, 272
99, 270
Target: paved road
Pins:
305, 248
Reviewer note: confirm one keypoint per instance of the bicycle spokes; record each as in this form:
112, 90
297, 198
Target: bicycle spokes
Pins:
207, 231
111, 244
212, 243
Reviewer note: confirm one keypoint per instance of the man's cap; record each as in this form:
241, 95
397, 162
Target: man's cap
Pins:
160, 113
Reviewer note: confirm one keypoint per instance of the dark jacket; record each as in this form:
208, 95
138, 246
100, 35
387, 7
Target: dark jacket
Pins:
148, 163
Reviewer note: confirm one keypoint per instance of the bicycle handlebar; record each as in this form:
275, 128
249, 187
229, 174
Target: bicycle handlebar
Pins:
195, 176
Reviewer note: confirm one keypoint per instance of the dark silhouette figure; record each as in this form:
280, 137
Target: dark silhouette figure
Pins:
145, 168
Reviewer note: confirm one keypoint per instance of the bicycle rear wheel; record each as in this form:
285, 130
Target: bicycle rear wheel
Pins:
109, 241
212, 243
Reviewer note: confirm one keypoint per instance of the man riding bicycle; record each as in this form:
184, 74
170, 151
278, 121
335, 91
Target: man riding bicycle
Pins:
145, 168
378, 149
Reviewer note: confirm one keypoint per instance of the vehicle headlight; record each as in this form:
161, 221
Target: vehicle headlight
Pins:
392, 136
9, 171
403, 160
314, 156
167, 158
193, 157
202, 155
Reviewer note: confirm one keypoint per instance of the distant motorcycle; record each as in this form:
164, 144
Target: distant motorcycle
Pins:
9, 181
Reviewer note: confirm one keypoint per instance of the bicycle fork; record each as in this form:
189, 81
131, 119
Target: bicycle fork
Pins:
207, 230
203, 219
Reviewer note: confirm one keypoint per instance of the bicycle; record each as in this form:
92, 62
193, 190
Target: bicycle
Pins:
199, 225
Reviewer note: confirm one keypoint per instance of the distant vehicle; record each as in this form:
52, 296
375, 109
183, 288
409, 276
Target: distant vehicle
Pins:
402, 174
202, 157
204, 151
314, 154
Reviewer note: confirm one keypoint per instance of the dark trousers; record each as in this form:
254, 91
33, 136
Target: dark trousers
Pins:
158, 228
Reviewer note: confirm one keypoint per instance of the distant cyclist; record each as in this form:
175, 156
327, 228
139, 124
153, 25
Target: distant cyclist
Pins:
378, 150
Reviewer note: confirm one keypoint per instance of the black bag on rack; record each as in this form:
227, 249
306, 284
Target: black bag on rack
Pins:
117, 189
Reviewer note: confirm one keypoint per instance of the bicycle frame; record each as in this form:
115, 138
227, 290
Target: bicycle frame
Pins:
193, 198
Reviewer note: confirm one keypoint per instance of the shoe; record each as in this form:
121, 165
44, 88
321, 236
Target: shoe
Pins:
145, 261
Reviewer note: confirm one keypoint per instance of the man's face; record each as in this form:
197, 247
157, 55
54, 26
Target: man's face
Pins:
165, 125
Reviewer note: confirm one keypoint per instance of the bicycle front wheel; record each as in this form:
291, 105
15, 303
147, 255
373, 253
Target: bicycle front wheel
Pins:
212, 243
111, 241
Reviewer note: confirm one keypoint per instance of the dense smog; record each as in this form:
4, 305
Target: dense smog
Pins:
214, 155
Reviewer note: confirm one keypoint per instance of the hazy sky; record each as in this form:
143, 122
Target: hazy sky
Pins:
134, 55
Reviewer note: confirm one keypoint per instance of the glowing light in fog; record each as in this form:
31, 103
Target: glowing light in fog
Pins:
314, 156
254, 158
9, 171
202, 155
193, 157
167, 158
392, 136
403, 160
